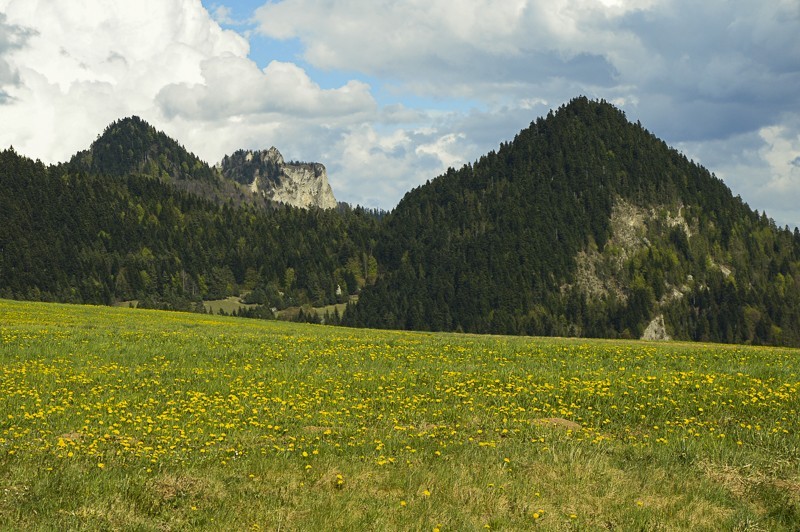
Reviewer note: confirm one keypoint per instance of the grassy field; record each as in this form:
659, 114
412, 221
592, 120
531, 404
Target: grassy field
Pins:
229, 305
124, 419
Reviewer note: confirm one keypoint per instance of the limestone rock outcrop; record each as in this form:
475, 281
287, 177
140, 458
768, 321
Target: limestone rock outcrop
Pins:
265, 172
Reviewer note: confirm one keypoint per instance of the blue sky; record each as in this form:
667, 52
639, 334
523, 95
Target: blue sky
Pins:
389, 93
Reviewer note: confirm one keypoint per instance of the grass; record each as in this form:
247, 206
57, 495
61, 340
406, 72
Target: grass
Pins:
125, 419
229, 305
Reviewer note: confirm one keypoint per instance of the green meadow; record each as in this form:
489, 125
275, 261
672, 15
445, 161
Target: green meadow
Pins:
125, 419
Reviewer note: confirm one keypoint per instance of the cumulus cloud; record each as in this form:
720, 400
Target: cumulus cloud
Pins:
85, 64
427, 85
379, 167
222, 14
701, 75
236, 86
11, 38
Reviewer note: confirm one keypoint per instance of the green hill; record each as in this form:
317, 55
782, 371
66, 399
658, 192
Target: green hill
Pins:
132, 146
585, 224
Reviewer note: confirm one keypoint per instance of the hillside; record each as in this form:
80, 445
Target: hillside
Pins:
131, 146
585, 224
95, 238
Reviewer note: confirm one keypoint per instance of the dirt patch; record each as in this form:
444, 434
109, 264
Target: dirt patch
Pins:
741, 481
730, 477
170, 488
425, 426
71, 436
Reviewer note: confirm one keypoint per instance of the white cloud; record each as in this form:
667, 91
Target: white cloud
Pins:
236, 87
222, 14
378, 168
85, 64
11, 38
699, 74
719, 79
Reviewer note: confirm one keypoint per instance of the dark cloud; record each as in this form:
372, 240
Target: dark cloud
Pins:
723, 68
12, 37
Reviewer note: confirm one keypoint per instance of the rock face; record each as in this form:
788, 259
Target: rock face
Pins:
265, 172
656, 330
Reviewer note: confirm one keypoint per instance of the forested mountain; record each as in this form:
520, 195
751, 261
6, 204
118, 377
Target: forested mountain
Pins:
585, 224
96, 238
131, 146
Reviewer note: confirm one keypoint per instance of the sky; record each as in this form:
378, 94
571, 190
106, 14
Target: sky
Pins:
390, 93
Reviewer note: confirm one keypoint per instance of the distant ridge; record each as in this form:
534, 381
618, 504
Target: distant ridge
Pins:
132, 146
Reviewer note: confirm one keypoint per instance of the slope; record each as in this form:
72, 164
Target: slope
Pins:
91, 238
504, 245
131, 146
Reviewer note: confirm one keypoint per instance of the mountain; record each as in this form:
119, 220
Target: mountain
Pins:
584, 225
93, 232
132, 146
265, 172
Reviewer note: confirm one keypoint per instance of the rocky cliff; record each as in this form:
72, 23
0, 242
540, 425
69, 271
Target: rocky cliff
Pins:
265, 172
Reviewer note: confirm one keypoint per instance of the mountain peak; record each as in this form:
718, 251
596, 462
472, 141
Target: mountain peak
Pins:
274, 155
132, 146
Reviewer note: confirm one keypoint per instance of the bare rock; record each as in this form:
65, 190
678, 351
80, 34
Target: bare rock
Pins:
656, 330
265, 172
